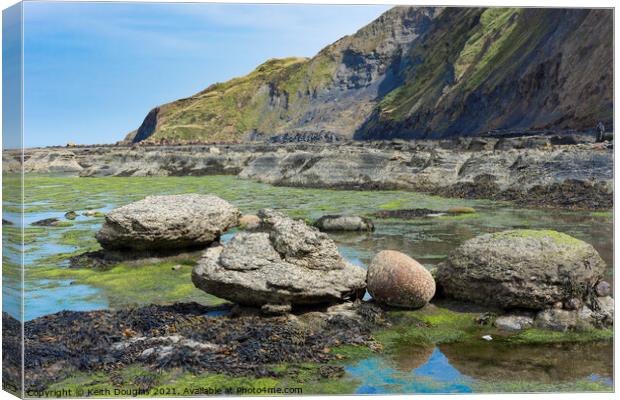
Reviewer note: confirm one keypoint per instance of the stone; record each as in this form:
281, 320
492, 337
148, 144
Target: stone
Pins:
275, 309
249, 222
488, 338
557, 320
6, 222
514, 322
71, 215
605, 307
289, 264
573, 304
603, 289
599, 313
344, 223
398, 280
461, 210
47, 222
176, 267
521, 269
165, 223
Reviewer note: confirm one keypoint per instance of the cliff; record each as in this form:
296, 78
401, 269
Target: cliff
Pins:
417, 73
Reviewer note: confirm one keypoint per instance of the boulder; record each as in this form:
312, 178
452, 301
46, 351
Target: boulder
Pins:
71, 215
398, 280
164, 223
289, 264
514, 322
521, 269
344, 223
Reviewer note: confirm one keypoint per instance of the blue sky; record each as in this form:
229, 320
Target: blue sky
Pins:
92, 71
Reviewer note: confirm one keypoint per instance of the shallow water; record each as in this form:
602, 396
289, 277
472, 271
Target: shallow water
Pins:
429, 240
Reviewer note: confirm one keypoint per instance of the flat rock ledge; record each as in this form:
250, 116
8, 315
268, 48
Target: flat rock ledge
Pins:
289, 264
167, 223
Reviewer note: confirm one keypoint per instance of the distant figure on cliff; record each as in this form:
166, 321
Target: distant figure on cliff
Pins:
600, 132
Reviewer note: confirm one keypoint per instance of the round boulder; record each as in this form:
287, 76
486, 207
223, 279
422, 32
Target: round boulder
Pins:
398, 280
521, 269
167, 223
344, 223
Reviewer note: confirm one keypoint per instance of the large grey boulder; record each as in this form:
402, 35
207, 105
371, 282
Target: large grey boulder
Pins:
521, 269
167, 223
291, 263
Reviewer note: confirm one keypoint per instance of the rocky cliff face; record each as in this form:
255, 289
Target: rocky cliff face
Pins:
413, 73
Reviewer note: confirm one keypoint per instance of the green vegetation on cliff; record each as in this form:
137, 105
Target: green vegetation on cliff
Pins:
416, 72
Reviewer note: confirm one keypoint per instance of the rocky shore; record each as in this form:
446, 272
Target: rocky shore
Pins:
294, 300
555, 171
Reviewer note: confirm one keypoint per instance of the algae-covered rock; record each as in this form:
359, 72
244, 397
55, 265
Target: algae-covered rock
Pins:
521, 269
514, 322
344, 223
461, 210
290, 264
167, 223
398, 280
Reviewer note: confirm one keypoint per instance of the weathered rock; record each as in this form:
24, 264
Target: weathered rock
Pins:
573, 304
167, 223
461, 210
398, 280
571, 176
249, 222
290, 264
275, 309
344, 223
514, 322
47, 222
603, 289
71, 215
605, 308
521, 269
557, 320
407, 214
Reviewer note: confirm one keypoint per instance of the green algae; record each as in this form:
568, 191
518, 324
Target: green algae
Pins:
457, 217
581, 385
302, 378
557, 237
142, 284
540, 336
603, 214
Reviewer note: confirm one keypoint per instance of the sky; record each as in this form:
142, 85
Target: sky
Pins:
92, 71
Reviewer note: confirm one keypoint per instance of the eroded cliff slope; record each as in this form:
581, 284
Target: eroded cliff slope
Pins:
417, 73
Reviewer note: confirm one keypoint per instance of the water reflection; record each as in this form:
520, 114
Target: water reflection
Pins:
458, 368
434, 374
